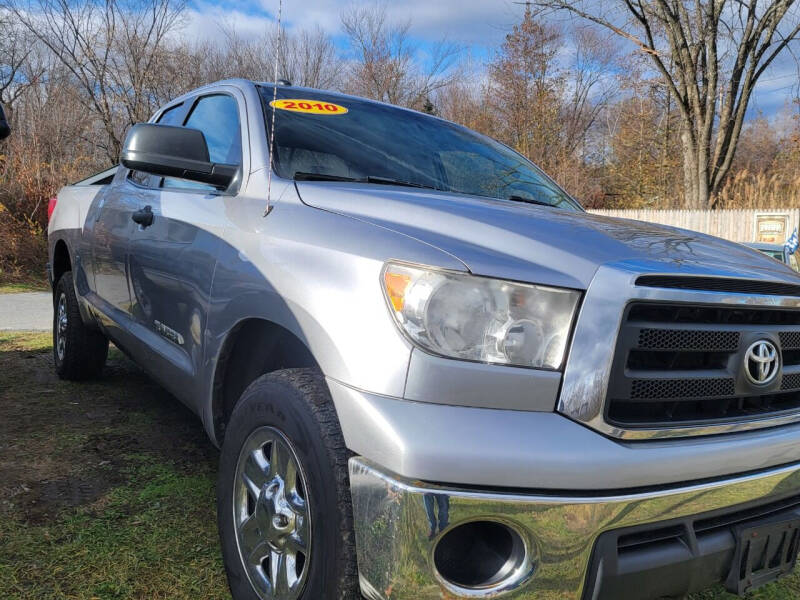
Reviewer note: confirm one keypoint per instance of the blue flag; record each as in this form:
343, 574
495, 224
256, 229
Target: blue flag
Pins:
792, 243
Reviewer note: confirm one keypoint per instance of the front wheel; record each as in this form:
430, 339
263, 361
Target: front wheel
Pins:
78, 351
284, 510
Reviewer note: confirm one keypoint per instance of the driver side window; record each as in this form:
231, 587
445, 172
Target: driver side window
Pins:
217, 116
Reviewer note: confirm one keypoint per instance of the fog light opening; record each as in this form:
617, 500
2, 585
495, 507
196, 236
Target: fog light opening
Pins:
481, 554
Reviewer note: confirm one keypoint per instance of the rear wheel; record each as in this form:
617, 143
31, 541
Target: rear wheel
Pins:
284, 509
79, 352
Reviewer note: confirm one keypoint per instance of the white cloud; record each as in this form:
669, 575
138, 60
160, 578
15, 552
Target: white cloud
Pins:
468, 22
471, 22
205, 21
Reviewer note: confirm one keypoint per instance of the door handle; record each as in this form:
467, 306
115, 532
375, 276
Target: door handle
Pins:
143, 217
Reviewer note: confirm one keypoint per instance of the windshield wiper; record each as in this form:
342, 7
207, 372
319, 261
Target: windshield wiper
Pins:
390, 181
530, 201
303, 176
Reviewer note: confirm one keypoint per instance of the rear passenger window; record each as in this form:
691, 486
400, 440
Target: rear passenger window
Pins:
218, 118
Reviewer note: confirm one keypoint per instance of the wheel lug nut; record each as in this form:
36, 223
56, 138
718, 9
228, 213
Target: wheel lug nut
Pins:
280, 521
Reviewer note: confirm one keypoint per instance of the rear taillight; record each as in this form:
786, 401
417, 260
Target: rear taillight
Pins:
51, 206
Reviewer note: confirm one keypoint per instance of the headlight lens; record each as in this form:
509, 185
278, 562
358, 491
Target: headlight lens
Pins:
477, 318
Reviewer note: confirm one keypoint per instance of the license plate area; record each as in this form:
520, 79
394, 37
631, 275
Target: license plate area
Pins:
765, 551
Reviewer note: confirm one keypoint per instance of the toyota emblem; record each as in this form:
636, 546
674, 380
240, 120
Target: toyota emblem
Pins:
761, 362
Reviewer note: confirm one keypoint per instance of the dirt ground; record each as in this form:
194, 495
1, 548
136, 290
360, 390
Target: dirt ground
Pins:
107, 487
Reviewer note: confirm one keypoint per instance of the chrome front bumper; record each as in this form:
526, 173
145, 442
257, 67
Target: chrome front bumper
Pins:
395, 556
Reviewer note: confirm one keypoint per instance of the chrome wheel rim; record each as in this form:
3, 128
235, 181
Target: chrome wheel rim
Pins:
61, 326
271, 515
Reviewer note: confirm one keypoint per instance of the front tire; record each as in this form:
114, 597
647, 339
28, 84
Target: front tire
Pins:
79, 352
283, 496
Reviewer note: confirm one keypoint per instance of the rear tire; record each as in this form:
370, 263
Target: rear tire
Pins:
303, 519
79, 352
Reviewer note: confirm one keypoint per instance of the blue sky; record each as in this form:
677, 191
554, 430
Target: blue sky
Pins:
478, 26
475, 25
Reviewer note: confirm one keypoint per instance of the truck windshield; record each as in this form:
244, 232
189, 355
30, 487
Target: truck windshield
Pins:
328, 137
776, 254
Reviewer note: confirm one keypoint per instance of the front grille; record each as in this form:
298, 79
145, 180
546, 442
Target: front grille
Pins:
672, 559
681, 388
791, 382
649, 535
713, 315
679, 365
687, 339
720, 284
790, 340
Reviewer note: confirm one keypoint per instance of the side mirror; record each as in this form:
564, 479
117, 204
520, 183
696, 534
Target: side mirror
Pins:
174, 152
5, 128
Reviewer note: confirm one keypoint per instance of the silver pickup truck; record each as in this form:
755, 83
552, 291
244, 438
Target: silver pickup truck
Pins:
430, 372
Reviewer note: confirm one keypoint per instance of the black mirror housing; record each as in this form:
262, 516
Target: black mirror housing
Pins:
174, 152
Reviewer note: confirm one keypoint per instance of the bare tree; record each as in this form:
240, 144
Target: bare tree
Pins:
111, 50
16, 74
185, 65
306, 58
309, 58
385, 65
590, 86
527, 86
464, 101
711, 53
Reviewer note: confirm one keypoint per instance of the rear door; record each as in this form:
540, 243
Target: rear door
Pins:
109, 227
172, 261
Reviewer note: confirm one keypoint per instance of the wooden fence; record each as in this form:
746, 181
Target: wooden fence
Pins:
747, 225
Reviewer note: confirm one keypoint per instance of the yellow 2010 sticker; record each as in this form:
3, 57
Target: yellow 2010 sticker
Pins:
314, 107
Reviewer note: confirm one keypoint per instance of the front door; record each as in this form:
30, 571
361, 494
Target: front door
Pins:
172, 260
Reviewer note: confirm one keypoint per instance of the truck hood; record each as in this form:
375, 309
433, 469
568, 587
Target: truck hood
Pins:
525, 242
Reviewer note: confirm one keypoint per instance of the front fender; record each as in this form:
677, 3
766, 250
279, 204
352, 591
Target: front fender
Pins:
316, 274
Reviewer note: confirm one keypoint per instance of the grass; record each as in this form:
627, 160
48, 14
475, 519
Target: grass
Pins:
21, 287
107, 488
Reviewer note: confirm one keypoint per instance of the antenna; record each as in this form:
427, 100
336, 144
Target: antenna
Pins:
527, 4
275, 82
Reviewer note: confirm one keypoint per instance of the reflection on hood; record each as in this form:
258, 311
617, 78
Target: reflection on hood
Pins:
525, 242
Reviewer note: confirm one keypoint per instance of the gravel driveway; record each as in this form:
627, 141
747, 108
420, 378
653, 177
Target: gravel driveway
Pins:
32, 311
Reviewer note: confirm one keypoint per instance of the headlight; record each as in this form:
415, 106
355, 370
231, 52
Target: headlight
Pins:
481, 319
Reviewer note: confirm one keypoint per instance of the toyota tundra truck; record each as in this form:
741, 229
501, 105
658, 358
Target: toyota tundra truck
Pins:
430, 372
